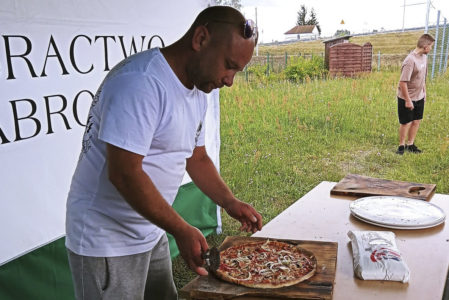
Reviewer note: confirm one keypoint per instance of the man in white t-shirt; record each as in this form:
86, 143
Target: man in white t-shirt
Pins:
144, 130
412, 94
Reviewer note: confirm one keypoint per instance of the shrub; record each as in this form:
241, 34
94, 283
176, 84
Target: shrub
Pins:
258, 71
300, 68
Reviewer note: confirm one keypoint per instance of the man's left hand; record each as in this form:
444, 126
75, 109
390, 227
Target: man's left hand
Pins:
250, 219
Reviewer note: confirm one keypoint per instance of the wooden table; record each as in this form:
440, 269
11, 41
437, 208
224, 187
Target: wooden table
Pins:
322, 217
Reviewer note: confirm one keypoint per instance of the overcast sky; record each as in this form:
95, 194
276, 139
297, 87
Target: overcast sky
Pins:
275, 17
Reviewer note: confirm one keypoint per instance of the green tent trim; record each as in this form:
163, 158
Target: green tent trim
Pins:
44, 274
197, 209
41, 274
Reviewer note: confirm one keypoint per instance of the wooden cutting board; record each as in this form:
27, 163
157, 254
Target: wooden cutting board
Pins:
357, 185
320, 286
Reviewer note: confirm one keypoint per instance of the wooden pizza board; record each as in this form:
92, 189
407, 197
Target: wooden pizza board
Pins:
319, 286
357, 185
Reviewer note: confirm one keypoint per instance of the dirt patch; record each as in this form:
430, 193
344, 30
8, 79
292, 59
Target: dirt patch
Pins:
356, 162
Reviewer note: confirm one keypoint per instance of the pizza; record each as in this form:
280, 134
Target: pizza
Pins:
266, 264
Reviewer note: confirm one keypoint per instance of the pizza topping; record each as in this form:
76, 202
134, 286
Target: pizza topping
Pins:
266, 264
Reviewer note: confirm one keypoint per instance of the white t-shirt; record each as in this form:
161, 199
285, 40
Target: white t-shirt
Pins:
141, 107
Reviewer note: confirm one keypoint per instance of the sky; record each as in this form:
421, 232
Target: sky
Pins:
274, 17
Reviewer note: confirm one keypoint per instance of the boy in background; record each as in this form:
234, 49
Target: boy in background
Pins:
412, 94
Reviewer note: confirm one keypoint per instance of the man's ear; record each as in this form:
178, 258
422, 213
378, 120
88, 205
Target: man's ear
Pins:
200, 38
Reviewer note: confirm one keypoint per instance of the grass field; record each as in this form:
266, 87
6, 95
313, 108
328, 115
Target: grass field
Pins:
386, 43
280, 139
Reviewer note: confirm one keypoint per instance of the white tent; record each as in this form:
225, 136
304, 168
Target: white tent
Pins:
53, 56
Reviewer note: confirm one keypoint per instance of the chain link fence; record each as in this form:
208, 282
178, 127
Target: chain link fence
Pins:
278, 63
438, 26
268, 63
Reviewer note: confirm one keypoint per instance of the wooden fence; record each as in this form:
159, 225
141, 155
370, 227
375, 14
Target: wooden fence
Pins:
348, 59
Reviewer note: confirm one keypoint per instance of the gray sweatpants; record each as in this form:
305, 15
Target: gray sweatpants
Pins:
145, 275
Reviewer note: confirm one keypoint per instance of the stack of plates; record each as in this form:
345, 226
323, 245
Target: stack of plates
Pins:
397, 212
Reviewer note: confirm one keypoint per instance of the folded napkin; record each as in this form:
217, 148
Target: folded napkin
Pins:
376, 256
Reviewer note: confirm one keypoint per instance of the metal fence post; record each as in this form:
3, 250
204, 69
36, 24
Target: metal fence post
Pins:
436, 44
378, 62
286, 59
427, 16
268, 64
447, 51
442, 47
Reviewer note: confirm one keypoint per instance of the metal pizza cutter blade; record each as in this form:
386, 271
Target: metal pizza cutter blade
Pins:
212, 258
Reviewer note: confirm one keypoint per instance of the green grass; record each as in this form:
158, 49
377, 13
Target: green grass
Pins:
280, 139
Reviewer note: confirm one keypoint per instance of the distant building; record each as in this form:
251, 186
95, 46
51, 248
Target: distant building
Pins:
302, 32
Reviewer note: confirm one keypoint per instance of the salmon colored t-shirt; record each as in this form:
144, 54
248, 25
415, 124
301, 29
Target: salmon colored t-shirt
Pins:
414, 72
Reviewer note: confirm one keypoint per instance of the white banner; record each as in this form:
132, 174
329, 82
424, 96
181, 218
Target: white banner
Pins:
53, 56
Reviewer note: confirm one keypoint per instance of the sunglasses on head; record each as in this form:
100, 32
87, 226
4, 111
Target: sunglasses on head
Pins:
249, 28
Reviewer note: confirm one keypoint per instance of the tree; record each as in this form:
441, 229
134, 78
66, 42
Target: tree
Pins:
313, 21
234, 3
303, 20
302, 14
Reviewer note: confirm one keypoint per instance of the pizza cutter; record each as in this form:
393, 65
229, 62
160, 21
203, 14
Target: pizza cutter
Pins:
212, 258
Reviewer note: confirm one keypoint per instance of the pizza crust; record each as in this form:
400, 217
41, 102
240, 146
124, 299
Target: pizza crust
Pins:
266, 264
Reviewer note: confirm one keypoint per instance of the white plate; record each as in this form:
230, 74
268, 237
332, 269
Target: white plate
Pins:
397, 227
397, 212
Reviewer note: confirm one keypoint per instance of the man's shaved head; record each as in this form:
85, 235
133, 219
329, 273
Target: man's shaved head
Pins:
219, 20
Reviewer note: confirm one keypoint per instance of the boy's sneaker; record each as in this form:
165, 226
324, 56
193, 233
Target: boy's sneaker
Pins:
413, 148
400, 150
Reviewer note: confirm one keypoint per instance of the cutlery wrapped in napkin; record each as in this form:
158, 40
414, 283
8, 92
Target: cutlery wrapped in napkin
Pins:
376, 256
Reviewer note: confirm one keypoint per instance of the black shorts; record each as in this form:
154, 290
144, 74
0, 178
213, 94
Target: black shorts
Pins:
406, 115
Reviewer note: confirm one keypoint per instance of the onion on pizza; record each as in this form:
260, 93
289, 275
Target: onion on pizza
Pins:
266, 264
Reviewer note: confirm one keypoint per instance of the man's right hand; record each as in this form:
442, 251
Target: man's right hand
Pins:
191, 243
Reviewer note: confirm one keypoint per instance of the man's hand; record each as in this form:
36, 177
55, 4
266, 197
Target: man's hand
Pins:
409, 104
250, 219
206, 177
191, 243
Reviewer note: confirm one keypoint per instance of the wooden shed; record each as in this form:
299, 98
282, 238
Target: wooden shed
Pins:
348, 59
345, 58
331, 42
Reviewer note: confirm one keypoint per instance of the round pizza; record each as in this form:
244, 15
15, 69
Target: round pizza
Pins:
266, 264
